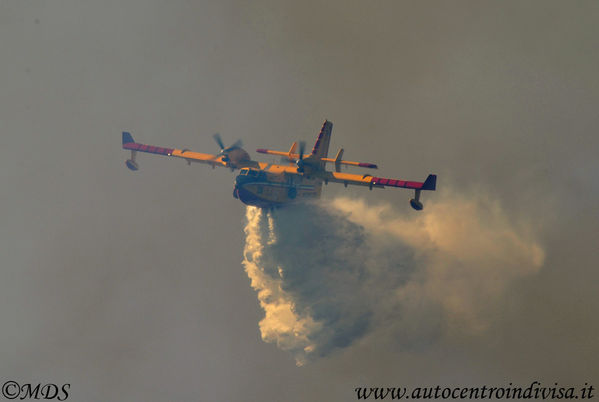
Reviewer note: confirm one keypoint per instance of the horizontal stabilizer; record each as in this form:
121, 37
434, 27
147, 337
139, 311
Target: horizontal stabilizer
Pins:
338, 162
292, 156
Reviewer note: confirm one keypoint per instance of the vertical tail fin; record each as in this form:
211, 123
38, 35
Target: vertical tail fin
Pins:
321, 147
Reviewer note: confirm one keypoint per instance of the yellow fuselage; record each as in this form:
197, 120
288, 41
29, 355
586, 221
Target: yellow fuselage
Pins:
266, 189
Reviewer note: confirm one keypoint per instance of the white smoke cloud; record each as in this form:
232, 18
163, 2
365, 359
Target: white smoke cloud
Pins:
331, 272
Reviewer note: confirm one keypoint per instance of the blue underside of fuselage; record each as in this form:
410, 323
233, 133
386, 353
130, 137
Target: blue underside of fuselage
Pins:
249, 198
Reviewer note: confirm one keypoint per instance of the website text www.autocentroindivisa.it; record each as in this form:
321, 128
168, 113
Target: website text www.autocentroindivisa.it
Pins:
535, 390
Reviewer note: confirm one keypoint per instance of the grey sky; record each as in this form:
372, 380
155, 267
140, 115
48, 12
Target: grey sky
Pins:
130, 286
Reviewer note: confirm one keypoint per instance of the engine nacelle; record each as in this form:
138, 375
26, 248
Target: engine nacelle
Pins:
131, 164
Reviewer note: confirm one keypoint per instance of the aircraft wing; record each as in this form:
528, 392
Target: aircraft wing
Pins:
380, 182
189, 156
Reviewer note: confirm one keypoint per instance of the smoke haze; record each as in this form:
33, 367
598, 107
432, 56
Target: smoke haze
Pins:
328, 273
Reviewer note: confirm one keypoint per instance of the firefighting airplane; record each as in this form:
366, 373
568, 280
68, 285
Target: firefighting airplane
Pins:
299, 177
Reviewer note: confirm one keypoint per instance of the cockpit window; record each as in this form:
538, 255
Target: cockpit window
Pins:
253, 174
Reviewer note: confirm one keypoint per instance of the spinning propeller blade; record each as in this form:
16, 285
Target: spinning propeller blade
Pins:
223, 151
300, 161
236, 144
219, 141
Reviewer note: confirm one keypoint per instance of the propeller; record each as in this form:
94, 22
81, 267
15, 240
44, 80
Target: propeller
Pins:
219, 141
300, 161
224, 150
